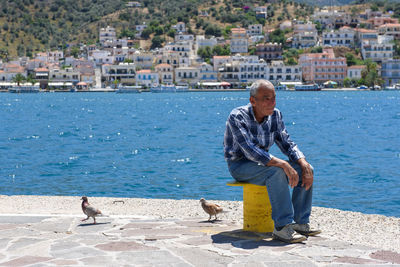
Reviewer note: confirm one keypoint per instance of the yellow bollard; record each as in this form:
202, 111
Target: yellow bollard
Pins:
256, 208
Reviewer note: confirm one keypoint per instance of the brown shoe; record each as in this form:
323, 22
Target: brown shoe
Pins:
305, 229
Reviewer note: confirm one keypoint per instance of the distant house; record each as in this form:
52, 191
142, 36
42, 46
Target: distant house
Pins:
379, 50
345, 36
147, 78
254, 29
261, 12
133, 4
123, 72
165, 73
278, 72
239, 41
322, 67
180, 27
354, 72
187, 75
269, 51
390, 71
390, 29
107, 34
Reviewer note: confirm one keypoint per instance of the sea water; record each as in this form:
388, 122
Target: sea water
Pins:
171, 145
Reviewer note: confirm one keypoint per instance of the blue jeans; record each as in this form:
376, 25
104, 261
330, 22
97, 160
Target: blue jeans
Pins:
285, 209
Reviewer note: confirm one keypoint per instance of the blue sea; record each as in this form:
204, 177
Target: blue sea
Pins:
171, 145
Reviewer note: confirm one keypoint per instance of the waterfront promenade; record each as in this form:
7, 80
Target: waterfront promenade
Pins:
47, 231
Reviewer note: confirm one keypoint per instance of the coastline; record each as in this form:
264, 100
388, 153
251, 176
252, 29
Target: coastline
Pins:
354, 227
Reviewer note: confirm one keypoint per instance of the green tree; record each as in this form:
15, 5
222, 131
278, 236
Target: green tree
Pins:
31, 79
156, 42
370, 74
347, 82
19, 78
75, 51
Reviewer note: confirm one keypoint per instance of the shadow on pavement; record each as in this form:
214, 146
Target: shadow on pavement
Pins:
91, 224
247, 240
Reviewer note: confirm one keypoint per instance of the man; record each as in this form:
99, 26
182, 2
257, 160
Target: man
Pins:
250, 131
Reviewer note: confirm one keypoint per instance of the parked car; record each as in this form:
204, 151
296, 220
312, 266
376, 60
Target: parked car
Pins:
377, 87
362, 87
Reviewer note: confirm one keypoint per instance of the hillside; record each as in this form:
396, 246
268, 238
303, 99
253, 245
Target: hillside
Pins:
29, 26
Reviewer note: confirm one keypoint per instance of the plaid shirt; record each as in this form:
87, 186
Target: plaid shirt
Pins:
246, 138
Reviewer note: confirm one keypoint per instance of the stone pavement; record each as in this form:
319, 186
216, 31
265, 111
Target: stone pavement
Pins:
52, 240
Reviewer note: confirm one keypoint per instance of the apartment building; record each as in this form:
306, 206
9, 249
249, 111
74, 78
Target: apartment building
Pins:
207, 73
355, 71
165, 73
202, 42
277, 72
147, 78
379, 50
365, 35
252, 71
269, 51
254, 30
390, 29
322, 67
390, 72
343, 37
304, 35
239, 41
187, 75
124, 72
107, 34
64, 75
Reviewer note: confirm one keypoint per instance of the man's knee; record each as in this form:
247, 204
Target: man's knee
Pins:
279, 173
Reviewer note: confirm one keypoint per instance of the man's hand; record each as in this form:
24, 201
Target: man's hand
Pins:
307, 175
291, 173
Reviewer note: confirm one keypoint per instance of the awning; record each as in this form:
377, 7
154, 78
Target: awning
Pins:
225, 84
330, 82
82, 83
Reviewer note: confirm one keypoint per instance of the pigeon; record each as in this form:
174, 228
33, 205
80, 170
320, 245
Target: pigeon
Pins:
89, 210
210, 208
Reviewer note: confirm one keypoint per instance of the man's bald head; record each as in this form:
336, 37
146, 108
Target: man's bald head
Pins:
260, 84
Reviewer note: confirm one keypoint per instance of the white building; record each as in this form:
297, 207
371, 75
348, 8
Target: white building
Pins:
252, 71
239, 41
304, 35
101, 57
254, 30
354, 72
342, 37
180, 27
64, 75
147, 78
202, 42
124, 72
390, 72
278, 72
207, 73
165, 73
142, 60
187, 75
379, 50
107, 34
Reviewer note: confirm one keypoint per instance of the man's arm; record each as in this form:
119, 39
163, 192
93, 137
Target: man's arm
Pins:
307, 174
289, 171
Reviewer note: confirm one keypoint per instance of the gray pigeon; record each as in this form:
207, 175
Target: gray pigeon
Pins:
89, 210
210, 208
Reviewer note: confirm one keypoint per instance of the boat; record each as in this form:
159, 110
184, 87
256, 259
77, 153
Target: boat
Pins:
182, 88
163, 88
307, 87
24, 89
129, 89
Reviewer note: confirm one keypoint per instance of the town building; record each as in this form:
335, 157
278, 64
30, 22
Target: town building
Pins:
278, 72
379, 50
363, 35
202, 42
207, 73
390, 72
390, 29
323, 67
250, 71
165, 73
187, 75
180, 27
354, 72
269, 51
343, 37
304, 35
254, 30
147, 78
123, 72
261, 12
107, 34
64, 75
375, 22
239, 41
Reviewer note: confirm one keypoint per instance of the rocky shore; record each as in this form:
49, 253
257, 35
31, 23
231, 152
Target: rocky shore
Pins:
352, 227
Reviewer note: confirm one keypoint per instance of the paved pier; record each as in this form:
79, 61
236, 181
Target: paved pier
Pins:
63, 240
